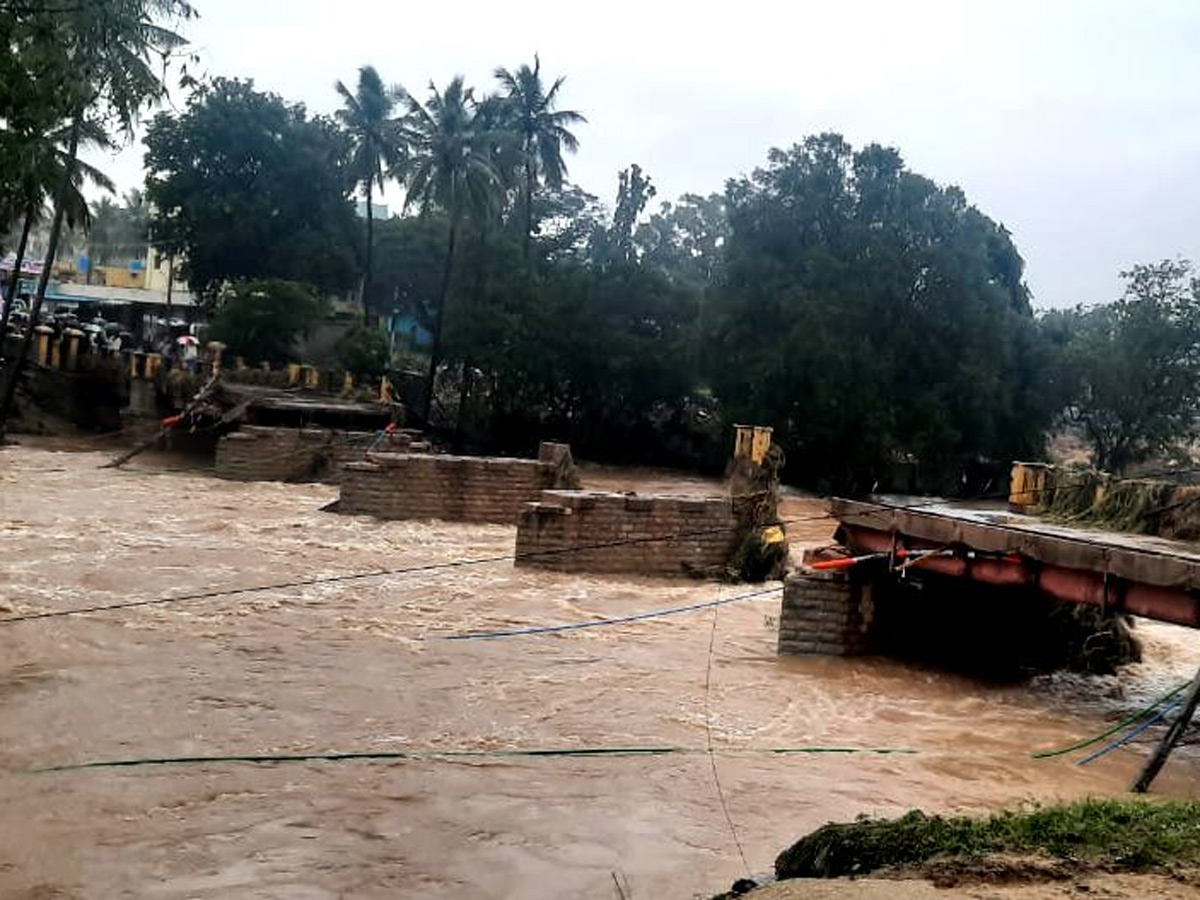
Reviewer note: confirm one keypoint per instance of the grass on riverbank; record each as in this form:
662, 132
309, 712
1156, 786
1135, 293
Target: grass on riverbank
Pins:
1126, 834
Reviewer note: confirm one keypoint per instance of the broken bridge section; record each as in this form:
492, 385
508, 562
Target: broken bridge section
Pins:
263, 453
452, 488
1008, 560
610, 533
1122, 573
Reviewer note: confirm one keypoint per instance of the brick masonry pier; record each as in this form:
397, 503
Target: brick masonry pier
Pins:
830, 613
452, 488
552, 532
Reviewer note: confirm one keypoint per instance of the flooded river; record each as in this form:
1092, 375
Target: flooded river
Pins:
361, 666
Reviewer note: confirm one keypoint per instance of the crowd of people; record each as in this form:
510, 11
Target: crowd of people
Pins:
103, 337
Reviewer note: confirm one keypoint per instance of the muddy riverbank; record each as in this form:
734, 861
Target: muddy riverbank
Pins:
362, 665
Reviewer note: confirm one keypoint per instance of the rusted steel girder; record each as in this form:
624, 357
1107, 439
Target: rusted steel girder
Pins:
1165, 603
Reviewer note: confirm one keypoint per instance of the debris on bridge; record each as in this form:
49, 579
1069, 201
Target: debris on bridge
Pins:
1159, 506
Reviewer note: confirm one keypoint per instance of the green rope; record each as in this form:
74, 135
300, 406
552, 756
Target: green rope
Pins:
881, 751
1124, 723
270, 758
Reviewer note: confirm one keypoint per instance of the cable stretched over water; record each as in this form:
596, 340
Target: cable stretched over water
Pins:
1121, 742
1124, 723
708, 740
617, 620
435, 755
383, 573
378, 573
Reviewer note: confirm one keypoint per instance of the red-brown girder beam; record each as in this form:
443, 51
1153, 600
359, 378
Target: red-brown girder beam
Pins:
1162, 602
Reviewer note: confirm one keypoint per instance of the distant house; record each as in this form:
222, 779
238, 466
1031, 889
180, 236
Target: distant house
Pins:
407, 334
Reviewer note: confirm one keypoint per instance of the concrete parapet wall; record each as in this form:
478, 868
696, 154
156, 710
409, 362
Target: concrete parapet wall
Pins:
831, 613
589, 531
452, 488
259, 453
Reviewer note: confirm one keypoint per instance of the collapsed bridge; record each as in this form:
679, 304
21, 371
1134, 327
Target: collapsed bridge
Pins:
832, 604
1126, 573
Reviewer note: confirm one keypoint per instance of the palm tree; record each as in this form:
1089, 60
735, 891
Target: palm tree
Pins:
449, 166
108, 57
366, 114
41, 165
542, 130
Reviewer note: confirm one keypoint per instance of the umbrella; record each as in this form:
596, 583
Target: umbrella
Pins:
186, 340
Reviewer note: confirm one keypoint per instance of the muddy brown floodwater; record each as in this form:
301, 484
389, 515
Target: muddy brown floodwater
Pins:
361, 666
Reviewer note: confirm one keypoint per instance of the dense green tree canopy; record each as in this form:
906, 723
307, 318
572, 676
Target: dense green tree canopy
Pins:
362, 351
262, 320
569, 220
585, 354
1132, 368
247, 186
686, 240
119, 231
872, 316
410, 255
634, 191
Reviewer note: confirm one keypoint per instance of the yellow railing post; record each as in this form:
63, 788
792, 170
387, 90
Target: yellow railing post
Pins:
43, 333
73, 336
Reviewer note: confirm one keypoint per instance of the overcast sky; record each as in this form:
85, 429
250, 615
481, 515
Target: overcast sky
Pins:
1076, 124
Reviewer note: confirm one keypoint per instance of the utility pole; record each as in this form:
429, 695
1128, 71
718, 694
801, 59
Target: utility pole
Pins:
1170, 739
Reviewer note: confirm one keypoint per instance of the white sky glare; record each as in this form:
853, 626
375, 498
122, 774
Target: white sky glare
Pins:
1076, 124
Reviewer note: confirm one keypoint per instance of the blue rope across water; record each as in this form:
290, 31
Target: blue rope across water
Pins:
596, 623
1121, 742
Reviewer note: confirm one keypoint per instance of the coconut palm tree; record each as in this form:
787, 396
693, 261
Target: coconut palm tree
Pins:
367, 114
449, 166
108, 58
542, 130
41, 165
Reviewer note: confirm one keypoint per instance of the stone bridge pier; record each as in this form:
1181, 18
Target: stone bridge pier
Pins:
832, 613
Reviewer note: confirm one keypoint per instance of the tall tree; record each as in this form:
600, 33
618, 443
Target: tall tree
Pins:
367, 114
262, 320
247, 186
42, 165
449, 167
119, 231
1134, 366
873, 317
111, 58
568, 221
615, 244
685, 240
544, 132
